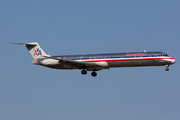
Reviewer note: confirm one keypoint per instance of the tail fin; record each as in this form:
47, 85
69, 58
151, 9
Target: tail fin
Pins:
35, 50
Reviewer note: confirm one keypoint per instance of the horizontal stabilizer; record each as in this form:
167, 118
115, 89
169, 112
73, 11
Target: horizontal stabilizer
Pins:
35, 50
25, 44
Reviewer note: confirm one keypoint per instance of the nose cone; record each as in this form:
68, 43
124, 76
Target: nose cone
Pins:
173, 61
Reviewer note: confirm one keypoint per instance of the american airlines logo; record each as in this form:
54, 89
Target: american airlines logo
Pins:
134, 54
37, 52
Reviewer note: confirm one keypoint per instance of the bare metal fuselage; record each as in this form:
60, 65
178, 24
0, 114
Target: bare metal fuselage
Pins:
107, 61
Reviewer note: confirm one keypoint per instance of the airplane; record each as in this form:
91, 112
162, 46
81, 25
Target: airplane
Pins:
96, 62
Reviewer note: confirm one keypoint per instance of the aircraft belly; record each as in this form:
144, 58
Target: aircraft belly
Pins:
60, 66
110, 64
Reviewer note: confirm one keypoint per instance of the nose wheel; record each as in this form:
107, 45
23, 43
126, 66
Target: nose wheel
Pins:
167, 69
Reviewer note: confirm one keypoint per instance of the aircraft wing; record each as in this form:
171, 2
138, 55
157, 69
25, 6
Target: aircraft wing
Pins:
77, 64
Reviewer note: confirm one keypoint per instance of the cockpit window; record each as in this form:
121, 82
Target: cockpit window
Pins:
164, 54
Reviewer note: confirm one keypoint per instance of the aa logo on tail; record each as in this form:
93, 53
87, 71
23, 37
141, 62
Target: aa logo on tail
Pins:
37, 52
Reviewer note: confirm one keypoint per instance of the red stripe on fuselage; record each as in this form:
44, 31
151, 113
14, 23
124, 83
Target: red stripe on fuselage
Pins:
127, 59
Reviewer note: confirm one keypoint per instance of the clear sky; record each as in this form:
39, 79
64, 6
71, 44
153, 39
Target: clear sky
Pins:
61, 27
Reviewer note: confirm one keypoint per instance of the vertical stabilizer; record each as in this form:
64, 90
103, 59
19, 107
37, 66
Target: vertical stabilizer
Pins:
35, 50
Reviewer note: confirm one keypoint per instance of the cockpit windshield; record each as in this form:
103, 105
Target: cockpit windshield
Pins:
164, 54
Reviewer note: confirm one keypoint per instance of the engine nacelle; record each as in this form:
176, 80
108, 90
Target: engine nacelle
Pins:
49, 62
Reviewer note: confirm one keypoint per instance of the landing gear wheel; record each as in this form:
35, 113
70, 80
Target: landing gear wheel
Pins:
167, 69
94, 74
84, 72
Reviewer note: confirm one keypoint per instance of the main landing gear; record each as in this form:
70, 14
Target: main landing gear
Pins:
84, 72
167, 69
94, 74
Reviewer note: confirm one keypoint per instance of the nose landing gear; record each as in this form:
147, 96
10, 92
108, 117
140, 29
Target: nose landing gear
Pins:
167, 69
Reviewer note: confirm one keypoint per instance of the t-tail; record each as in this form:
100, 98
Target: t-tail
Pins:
35, 50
